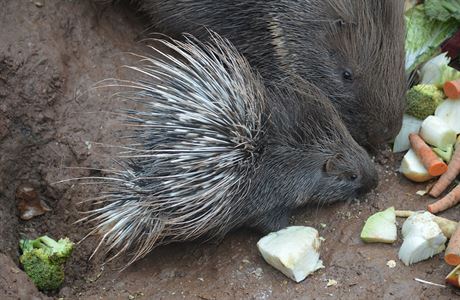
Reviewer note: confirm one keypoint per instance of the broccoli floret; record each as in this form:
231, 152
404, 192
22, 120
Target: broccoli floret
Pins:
422, 100
61, 249
43, 260
46, 274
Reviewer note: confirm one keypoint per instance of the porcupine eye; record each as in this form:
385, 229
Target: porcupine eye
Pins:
347, 75
353, 177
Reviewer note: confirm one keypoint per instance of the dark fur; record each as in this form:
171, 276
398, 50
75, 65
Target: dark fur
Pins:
317, 40
309, 157
214, 150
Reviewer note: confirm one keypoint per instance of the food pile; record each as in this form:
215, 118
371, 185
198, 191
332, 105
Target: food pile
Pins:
431, 125
430, 134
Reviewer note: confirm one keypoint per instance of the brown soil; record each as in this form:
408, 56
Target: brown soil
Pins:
51, 54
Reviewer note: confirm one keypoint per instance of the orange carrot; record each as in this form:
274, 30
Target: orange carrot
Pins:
453, 169
446, 202
452, 89
452, 255
453, 277
430, 160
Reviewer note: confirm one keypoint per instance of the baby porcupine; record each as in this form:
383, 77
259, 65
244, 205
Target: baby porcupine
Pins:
353, 50
213, 149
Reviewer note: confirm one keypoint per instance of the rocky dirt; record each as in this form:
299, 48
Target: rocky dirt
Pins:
51, 120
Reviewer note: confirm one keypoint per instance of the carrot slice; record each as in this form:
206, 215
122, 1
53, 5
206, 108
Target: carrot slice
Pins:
446, 202
452, 89
452, 255
453, 277
453, 169
430, 160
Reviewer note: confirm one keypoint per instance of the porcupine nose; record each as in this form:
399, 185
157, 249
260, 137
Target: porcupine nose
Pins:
369, 181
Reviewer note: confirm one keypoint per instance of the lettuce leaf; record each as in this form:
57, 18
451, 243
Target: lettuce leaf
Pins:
424, 36
443, 10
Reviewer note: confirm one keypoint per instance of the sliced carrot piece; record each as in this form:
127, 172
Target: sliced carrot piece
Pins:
452, 89
452, 255
430, 160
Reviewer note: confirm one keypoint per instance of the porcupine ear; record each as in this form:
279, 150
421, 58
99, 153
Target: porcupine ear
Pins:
330, 166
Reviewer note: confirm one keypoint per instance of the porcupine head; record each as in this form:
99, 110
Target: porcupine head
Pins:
213, 149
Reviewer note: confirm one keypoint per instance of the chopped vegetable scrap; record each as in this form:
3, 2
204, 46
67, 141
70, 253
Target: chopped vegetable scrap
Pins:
430, 160
422, 238
453, 169
380, 227
294, 251
43, 260
452, 89
452, 255
424, 35
422, 100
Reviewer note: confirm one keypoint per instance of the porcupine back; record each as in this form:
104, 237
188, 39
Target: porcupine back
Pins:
213, 150
353, 50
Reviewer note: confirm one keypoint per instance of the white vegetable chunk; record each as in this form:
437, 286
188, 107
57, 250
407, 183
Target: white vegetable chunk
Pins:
449, 111
410, 124
422, 238
413, 168
437, 132
294, 251
380, 227
432, 70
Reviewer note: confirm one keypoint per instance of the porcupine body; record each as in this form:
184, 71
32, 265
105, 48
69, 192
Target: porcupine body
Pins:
213, 149
353, 50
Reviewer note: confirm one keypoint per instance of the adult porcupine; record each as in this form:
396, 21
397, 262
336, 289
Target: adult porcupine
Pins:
352, 49
214, 150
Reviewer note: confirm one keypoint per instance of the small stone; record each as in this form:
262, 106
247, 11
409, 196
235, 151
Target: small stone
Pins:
65, 292
258, 272
331, 282
88, 145
391, 264
421, 193
29, 203
38, 3
4, 130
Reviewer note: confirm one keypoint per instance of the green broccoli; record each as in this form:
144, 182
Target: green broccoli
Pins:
43, 260
422, 100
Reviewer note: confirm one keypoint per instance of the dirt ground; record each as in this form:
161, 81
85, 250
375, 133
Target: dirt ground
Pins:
51, 54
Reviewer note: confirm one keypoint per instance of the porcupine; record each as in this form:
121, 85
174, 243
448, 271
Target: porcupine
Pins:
214, 149
352, 49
